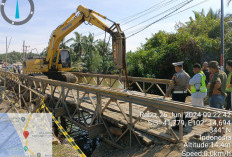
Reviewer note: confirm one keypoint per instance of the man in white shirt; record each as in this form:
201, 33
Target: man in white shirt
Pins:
198, 86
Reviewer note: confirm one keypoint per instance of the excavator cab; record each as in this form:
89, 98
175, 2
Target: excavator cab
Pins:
61, 73
65, 59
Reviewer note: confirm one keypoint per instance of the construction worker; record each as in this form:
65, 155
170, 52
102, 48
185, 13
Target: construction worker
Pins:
217, 91
229, 84
198, 87
178, 88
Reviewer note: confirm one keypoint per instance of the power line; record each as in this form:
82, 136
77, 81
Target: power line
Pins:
132, 16
190, 7
186, 9
159, 19
155, 16
165, 4
143, 13
140, 14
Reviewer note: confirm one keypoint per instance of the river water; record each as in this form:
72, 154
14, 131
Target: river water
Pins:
80, 136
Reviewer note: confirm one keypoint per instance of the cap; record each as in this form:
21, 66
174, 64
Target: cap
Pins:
213, 64
178, 63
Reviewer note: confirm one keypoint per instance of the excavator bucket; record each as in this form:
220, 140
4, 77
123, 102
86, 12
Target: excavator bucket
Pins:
119, 53
119, 48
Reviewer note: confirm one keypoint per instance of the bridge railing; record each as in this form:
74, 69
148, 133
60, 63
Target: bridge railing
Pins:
70, 100
144, 85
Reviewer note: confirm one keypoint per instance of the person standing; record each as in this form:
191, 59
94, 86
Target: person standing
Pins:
179, 87
198, 87
229, 84
14, 69
205, 69
217, 91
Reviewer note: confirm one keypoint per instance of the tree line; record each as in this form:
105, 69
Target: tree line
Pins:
195, 41
14, 57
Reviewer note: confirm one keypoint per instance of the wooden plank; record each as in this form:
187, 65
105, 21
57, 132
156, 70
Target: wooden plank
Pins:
181, 127
146, 139
142, 128
156, 133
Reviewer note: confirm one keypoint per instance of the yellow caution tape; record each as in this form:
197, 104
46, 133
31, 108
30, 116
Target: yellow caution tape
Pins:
70, 139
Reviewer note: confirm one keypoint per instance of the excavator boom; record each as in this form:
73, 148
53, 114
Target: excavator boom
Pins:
76, 19
58, 61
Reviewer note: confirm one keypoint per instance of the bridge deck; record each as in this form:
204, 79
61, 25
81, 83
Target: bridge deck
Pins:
113, 115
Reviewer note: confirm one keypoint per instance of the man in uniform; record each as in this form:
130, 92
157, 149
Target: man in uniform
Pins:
217, 92
179, 86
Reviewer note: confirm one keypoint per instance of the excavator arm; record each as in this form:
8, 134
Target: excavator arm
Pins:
76, 19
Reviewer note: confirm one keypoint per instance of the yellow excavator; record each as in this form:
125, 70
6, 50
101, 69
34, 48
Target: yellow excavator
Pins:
57, 63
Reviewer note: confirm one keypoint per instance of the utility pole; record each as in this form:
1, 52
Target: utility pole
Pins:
7, 47
6, 51
25, 48
222, 36
5, 70
26, 51
23, 51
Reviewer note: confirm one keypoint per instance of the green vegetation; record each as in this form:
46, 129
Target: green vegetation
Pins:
14, 57
11, 57
195, 41
89, 55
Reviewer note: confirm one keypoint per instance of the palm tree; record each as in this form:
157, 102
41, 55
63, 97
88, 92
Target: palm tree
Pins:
213, 15
77, 46
63, 44
92, 57
103, 48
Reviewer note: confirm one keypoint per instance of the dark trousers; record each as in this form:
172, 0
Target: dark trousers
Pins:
180, 98
228, 101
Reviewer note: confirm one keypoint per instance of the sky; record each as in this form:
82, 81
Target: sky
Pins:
49, 14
